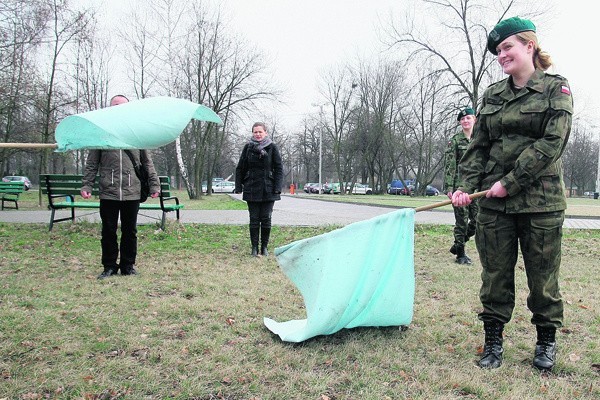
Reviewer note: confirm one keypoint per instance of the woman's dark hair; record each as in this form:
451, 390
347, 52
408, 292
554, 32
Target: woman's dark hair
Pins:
264, 126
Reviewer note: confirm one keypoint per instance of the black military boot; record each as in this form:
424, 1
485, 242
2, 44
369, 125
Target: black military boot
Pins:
492, 350
254, 233
461, 257
545, 348
453, 248
265, 234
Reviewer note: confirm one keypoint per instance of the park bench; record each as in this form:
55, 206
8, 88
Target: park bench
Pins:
63, 189
10, 191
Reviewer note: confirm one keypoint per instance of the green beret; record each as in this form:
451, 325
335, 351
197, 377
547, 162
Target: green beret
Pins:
506, 28
465, 111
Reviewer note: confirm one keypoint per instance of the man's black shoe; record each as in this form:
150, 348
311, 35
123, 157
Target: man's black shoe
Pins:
106, 273
129, 271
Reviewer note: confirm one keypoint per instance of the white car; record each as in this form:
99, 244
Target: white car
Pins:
24, 179
223, 187
359, 188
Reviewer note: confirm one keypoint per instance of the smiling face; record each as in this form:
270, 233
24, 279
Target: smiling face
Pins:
516, 57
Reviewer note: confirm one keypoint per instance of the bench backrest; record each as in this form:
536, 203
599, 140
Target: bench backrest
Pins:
12, 187
71, 184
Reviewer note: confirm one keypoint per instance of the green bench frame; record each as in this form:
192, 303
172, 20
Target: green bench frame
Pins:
66, 187
10, 191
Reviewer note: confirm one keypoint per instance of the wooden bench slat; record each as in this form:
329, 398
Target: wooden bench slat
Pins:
10, 192
58, 187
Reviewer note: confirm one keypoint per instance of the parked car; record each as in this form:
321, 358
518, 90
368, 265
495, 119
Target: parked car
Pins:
223, 187
332, 188
24, 179
215, 182
307, 186
397, 187
431, 191
315, 188
359, 188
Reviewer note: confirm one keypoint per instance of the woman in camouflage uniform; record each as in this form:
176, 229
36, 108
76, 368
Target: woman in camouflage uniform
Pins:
464, 217
523, 126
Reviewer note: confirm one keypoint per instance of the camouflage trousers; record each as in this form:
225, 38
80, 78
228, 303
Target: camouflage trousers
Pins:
498, 238
465, 222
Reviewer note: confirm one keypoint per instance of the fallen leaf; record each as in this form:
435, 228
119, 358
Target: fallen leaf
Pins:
325, 397
574, 357
230, 321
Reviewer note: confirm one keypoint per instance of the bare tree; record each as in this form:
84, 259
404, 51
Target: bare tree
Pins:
21, 26
228, 76
580, 157
337, 88
458, 48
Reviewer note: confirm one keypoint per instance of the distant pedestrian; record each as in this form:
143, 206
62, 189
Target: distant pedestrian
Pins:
523, 126
464, 226
259, 176
119, 198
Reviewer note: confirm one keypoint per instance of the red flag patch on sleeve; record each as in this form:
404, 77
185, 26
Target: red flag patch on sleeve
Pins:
565, 90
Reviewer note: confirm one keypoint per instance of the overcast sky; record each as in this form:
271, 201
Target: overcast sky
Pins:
304, 38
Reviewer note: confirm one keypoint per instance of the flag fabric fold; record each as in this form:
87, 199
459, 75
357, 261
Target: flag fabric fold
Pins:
359, 275
139, 124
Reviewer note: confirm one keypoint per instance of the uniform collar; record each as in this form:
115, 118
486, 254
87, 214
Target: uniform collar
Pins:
536, 82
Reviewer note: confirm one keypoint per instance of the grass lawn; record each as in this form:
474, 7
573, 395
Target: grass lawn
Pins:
190, 325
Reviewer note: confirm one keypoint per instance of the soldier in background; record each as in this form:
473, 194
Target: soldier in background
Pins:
464, 226
522, 130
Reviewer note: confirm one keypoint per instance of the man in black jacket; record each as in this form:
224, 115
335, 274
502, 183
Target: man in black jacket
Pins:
120, 191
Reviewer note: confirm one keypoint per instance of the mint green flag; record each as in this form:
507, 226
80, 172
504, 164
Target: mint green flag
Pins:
139, 124
359, 275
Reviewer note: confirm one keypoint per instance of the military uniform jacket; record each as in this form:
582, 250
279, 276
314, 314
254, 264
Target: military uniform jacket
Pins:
260, 178
518, 139
118, 180
454, 152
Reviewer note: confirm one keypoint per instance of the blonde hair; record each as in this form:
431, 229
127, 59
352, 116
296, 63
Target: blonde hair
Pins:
541, 59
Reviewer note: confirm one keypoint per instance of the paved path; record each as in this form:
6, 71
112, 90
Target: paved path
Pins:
290, 211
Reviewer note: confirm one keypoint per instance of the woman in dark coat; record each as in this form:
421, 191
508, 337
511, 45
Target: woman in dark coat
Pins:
259, 176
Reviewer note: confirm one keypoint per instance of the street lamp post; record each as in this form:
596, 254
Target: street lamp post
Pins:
320, 145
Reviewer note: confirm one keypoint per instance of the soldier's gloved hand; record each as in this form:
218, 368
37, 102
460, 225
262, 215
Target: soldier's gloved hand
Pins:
497, 190
460, 199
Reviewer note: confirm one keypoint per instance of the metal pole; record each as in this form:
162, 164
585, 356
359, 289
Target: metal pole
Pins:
29, 145
598, 172
320, 155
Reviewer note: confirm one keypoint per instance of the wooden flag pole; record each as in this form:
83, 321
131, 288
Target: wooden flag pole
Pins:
29, 145
448, 202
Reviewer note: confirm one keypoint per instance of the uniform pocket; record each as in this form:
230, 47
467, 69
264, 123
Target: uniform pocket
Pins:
533, 114
486, 238
489, 117
543, 244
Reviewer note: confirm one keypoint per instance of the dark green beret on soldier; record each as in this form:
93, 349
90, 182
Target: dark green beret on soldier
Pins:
506, 28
